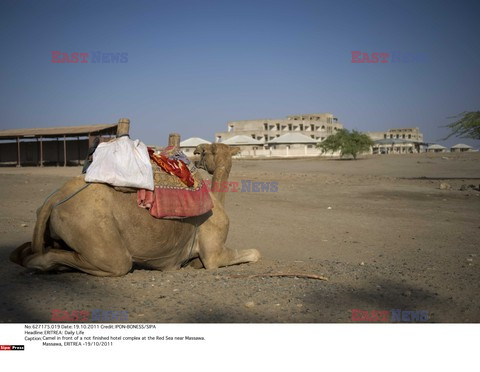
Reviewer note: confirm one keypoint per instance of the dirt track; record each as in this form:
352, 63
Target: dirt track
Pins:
390, 240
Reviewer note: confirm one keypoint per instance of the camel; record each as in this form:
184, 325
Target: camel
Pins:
102, 231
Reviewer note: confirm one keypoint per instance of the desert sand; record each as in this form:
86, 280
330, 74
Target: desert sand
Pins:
380, 229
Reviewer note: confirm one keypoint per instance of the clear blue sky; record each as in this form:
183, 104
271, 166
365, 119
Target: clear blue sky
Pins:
194, 65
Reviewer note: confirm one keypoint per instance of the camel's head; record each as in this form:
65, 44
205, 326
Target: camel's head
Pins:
215, 155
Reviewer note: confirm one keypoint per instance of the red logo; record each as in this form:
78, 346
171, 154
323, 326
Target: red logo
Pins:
12, 347
65, 316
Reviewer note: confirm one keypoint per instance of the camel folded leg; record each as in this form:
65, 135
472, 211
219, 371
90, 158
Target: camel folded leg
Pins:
55, 259
213, 259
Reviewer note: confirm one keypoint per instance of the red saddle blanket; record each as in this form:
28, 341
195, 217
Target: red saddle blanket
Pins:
171, 198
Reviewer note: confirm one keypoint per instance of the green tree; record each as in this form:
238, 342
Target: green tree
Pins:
348, 143
467, 126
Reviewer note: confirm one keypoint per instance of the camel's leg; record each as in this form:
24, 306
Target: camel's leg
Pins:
214, 256
227, 257
211, 244
57, 258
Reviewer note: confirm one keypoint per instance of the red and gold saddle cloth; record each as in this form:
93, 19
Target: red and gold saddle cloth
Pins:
178, 193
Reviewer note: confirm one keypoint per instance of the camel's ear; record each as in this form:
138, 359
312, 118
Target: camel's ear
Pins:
234, 151
217, 147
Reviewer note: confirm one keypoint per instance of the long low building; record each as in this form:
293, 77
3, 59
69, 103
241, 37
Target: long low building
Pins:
51, 146
189, 145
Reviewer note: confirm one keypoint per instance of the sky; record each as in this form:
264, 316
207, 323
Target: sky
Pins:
192, 66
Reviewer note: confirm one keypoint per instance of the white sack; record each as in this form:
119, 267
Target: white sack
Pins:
121, 162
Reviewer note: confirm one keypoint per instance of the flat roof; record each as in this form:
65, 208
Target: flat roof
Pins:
55, 131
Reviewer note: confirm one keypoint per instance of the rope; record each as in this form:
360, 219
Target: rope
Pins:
48, 197
71, 196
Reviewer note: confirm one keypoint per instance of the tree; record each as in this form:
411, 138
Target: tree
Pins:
468, 126
348, 143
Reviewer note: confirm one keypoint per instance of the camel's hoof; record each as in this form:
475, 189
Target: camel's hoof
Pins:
253, 255
19, 254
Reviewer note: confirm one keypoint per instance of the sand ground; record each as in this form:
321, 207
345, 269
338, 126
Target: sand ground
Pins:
380, 228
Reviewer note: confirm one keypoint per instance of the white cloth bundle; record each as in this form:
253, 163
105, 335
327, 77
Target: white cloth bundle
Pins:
121, 162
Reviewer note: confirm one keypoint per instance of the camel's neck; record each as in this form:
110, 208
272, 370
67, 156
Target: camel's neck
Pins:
220, 176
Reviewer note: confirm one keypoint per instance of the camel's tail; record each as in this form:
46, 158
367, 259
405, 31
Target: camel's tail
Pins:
66, 192
43, 215
38, 243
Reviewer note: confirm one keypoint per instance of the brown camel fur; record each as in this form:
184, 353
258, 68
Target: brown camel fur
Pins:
103, 232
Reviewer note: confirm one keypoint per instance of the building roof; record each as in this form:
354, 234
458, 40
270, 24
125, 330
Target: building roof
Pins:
193, 142
436, 147
241, 140
293, 138
54, 131
461, 146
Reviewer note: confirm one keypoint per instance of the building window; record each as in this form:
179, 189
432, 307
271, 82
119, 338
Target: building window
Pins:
312, 136
397, 136
312, 127
391, 135
289, 126
278, 135
409, 136
278, 126
265, 126
253, 136
403, 136
301, 126
385, 136
323, 127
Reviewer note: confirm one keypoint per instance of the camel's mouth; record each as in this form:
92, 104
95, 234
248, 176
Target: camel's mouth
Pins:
200, 163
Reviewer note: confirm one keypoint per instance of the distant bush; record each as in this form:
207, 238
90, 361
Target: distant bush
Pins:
348, 143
